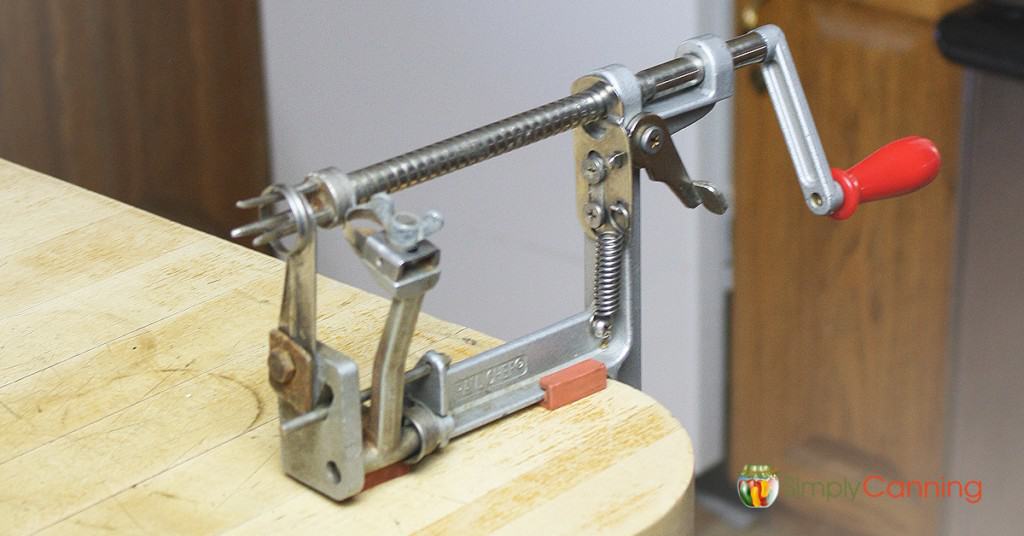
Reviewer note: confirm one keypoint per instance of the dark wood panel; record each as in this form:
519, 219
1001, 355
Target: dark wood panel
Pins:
839, 329
158, 103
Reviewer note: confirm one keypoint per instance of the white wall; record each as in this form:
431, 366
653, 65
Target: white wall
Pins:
986, 424
354, 83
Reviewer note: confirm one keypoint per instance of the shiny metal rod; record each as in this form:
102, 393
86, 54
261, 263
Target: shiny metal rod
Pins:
523, 129
747, 49
533, 125
517, 131
670, 77
482, 143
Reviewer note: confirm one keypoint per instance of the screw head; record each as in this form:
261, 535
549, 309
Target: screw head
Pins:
601, 328
282, 368
651, 139
594, 215
594, 168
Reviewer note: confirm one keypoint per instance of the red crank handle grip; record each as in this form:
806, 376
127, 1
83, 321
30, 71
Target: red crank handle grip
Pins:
898, 168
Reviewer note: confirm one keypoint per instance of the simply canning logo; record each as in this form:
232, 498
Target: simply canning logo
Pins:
758, 487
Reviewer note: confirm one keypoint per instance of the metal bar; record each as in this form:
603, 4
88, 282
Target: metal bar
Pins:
670, 77
388, 395
408, 444
534, 125
747, 49
517, 131
298, 305
416, 373
483, 143
822, 194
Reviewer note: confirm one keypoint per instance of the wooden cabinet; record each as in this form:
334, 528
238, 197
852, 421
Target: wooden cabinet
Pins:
157, 103
839, 329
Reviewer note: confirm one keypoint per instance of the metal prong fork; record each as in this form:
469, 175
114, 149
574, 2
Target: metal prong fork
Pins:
270, 228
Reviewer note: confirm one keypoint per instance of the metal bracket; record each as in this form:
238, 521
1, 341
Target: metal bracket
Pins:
682, 109
655, 152
318, 388
323, 448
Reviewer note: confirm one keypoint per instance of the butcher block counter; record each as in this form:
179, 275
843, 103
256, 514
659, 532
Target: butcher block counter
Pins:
134, 398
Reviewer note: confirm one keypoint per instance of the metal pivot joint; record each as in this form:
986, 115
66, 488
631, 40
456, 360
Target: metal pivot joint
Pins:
333, 433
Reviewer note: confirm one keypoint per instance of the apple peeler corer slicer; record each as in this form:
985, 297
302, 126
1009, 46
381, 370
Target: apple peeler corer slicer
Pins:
337, 439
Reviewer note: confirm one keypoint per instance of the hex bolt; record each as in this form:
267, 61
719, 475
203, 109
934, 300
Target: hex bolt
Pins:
651, 139
594, 215
594, 168
282, 368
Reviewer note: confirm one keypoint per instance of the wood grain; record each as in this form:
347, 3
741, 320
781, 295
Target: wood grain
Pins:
134, 398
839, 328
158, 103
928, 10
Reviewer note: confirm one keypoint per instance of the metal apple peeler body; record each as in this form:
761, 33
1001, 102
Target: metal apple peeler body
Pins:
333, 435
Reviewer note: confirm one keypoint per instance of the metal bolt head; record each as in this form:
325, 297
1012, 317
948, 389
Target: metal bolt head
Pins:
601, 328
594, 215
282, 368
594, 168
651, 139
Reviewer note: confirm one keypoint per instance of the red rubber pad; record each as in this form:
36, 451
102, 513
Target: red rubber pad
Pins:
384, 474
573, 383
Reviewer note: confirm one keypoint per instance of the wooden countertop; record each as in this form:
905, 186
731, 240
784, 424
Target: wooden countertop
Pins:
133, 397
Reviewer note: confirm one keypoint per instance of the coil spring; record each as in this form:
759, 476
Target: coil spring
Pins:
609, 254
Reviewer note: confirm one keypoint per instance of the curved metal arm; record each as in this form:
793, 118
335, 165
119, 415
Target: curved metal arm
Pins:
822, 194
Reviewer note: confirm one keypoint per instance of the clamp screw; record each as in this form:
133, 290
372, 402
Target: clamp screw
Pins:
594, 168
282, 368
594, 215
651, 139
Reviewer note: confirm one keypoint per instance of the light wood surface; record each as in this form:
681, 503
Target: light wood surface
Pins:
840, 329
133, 398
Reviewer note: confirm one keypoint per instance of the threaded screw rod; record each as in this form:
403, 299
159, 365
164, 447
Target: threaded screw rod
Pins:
517, 131
482, 143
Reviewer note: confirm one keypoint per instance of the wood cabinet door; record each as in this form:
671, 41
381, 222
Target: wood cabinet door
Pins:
158, 103
839, 329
